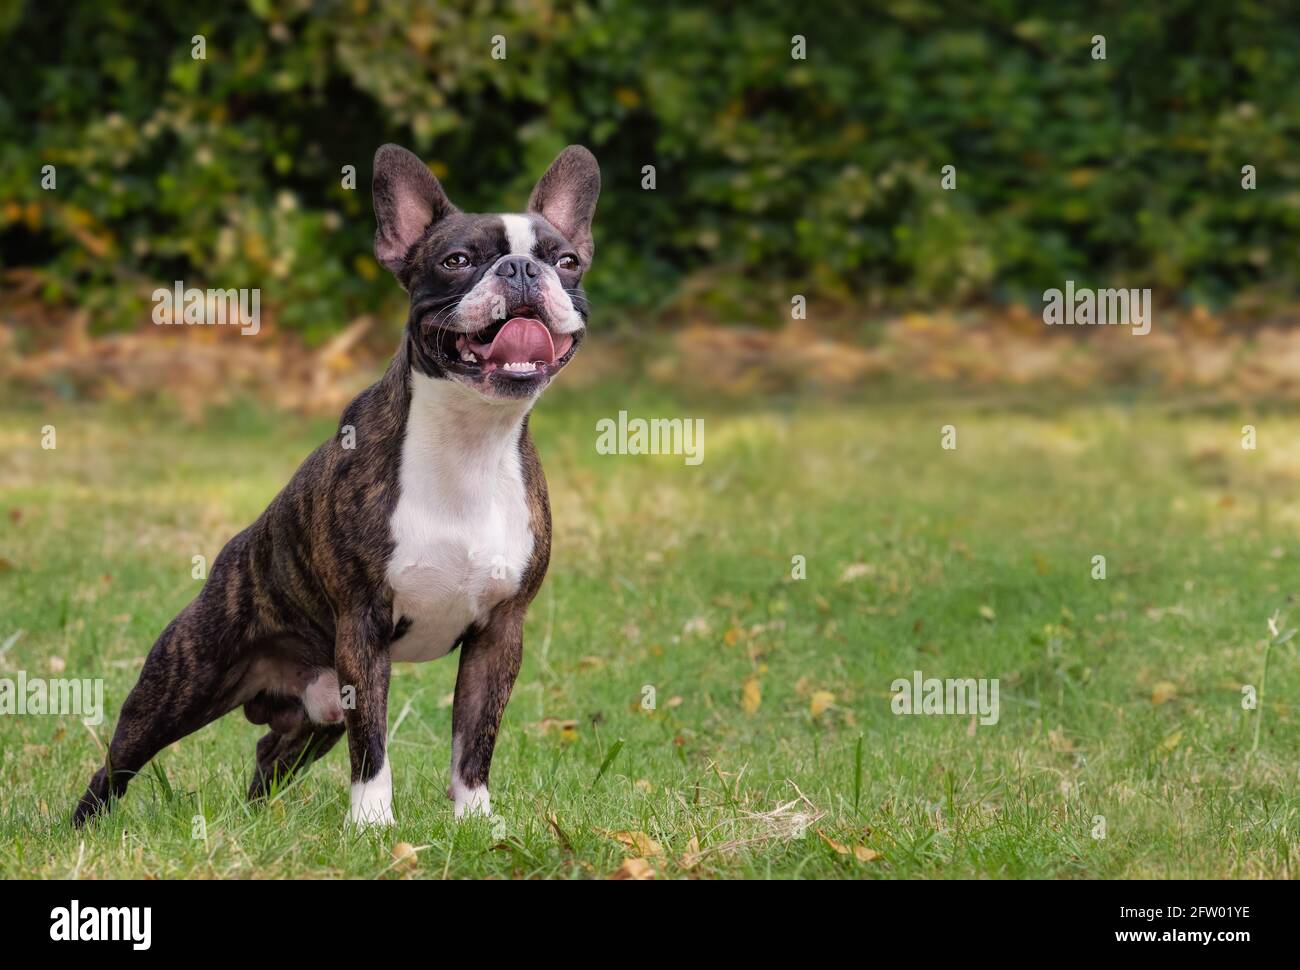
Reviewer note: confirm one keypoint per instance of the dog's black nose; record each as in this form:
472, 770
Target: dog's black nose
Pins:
518, 268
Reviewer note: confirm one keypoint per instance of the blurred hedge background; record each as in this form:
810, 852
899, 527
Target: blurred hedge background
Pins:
774, 176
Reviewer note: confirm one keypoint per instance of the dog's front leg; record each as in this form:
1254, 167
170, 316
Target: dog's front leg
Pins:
489, 663
363, 663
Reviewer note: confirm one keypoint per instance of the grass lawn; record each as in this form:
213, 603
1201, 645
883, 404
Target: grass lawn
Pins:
772, 740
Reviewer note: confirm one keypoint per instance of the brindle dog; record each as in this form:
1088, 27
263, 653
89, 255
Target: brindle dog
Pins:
422, 526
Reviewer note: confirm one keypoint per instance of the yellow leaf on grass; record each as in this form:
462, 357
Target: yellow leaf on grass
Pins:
554, 823
1163, 691
821, 702
691, 857
1171, 742
567, 729
751, 695
639, 842
839, 847
859, 852
637, 869
986, 611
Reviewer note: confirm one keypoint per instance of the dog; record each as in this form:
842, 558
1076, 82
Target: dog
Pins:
422, 527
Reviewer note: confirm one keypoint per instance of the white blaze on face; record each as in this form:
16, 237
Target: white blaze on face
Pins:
520, 235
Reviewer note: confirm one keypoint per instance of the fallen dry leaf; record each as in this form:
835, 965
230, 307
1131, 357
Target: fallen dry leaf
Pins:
637, 869
1163, 691
839, 847
821, 702
691, 857
859, 852
639, 842
751, 695
554, 823
566, 728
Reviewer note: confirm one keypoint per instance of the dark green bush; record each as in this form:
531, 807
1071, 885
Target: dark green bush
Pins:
774, 175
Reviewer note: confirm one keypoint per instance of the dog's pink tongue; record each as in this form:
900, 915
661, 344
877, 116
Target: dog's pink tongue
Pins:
522, 339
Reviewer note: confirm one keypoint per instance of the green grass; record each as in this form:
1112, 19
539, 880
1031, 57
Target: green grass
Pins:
969, 563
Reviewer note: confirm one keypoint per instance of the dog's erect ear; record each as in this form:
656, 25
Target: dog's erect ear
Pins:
407, 199
566, 197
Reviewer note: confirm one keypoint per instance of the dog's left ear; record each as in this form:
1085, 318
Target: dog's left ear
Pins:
566, 197
407, 200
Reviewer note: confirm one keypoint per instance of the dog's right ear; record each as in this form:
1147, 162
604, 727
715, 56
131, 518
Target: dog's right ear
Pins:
408, 199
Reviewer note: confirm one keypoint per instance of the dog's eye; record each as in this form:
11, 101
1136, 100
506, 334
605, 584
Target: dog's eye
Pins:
567, 261
456, 261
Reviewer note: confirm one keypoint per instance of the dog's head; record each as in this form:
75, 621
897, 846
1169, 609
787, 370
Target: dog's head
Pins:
495, 299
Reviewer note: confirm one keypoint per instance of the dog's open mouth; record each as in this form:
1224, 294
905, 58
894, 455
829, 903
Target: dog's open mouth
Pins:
522, 347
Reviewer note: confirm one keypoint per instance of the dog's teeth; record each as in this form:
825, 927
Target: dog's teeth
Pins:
468, 357
522, 366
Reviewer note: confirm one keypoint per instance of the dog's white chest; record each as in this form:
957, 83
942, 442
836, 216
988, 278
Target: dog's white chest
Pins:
461, 528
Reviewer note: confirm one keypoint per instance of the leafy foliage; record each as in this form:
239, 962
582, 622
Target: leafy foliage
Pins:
774, 175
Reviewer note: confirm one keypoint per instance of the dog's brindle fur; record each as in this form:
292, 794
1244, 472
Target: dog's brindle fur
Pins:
306, 587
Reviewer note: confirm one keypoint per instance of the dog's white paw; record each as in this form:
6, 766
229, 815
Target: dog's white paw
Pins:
362, 821
372, 801
471, 801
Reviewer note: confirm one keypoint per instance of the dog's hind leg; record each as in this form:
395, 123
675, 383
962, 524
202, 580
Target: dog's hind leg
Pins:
179, 691
281, 756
